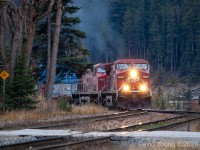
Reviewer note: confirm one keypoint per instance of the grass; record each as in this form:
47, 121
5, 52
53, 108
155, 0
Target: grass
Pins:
47, 109
88, 109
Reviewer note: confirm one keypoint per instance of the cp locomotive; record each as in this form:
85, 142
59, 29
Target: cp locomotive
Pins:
124, 83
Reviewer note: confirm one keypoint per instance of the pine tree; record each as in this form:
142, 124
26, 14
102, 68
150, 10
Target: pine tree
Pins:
71, 55
187, 40
127, 30
171, 36
168, 29
118, 9
22, 87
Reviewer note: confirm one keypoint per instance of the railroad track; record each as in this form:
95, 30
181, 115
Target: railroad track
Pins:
172, 125
124, 114
68, 143
31, 144
84, 144
96, 118
139, 126
73, 121
170, 111
58, 143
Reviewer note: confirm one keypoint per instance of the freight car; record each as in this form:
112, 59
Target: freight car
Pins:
124, 83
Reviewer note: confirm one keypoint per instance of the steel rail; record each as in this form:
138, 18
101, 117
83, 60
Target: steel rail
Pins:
170, 111
77, 145
72, 121
171, 125
96, 118
56, 143
131, 127
34, 143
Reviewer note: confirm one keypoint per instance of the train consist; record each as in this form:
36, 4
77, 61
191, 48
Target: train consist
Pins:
124, 83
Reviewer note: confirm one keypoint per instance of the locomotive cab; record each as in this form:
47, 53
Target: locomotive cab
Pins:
131, 84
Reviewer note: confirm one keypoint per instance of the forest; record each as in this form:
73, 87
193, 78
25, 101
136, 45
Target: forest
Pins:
164, 32
54, 35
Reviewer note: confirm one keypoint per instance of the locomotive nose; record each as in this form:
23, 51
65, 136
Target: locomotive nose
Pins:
143, 88
134, 73
126, 88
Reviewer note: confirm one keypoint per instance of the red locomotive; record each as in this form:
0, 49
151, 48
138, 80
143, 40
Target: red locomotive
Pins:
124, 83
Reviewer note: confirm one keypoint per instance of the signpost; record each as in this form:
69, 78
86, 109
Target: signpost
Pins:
4, 75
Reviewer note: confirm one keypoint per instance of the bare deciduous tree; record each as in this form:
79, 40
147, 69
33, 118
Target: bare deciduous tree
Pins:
22, 23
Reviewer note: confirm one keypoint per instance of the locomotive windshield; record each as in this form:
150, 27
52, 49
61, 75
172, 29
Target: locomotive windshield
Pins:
123, 66
101, 70
141, 66
128, 66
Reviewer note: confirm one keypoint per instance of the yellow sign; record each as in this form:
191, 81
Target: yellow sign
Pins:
4, 74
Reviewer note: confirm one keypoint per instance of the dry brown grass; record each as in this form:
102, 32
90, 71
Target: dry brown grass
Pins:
196, 108
23, 116
88, 109
45, 110
46, 106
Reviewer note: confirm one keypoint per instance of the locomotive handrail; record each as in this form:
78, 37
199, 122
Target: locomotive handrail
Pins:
122, 85
99, 93
103, 88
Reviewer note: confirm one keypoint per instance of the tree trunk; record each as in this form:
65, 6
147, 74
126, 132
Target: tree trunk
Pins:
34, 17
52, 71
16, 43
48, 53
2, 38
15, 46
29, 41
177, 36
171, 68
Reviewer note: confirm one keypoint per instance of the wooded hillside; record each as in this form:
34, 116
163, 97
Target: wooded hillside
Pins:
164, 32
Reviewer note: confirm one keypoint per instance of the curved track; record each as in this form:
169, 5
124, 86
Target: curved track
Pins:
96, 118
172, 125
131, 128
57, 143
67, 143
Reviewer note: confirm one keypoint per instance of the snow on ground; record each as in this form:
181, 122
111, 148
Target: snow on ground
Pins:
157, 134
130, 140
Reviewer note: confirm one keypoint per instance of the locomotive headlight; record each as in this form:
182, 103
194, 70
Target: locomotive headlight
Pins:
126, 88
143, 88
134, 73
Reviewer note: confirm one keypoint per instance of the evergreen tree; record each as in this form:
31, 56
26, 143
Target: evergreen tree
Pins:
118, 9
168, 29
22, 88
71, 54
127, 30
171, 33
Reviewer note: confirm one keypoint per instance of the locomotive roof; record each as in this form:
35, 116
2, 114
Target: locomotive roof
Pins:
134, 61
102, 64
